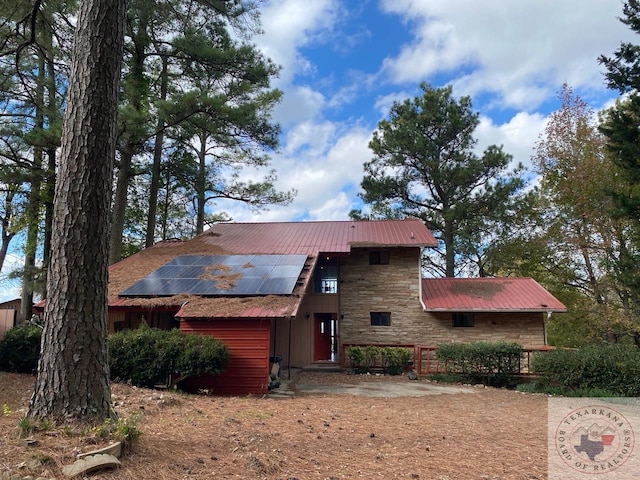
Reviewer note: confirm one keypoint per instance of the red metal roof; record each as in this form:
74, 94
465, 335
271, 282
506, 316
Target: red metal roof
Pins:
313, 237
487, 295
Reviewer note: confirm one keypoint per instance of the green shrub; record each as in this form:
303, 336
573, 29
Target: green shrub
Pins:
391, 360
395, 359
601, 369
143, 356
356, 358
371, 357
20, 349
494, 364
147, 356
200, 354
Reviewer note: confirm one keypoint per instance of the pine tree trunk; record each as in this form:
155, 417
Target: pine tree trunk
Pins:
33, 205
73, 371
157, 160
5, 225
120, 205
201, 180
450, 252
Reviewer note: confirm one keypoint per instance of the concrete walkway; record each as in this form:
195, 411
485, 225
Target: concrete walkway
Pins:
393, 388
417, 388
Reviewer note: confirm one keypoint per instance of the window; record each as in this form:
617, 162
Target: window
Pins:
380, 319
462, 319
325, 276
379, 258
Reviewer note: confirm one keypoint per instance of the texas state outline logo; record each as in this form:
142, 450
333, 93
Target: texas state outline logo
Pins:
594, 439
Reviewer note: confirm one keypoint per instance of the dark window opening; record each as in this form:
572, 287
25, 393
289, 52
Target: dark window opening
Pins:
380, 319
462, 319
325, 276
379, 258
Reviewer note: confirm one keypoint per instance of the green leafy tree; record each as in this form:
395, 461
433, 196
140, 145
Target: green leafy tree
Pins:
572, 242
424, 166
622, 121
226, 125
34, 43
187, 81
621, 126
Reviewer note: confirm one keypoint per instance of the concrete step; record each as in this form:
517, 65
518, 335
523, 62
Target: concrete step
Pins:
323, 367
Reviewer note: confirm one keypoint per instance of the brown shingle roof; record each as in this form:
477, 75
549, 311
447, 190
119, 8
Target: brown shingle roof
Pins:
487, 295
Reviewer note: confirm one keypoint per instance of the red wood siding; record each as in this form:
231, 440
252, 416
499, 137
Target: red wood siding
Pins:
248, 342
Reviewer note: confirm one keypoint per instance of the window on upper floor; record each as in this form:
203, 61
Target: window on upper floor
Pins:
380, 319
325, 276
462, 319
379, 257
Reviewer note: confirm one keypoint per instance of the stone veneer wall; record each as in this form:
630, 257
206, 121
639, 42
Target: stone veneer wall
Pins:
395, 288
391, 288
526, 329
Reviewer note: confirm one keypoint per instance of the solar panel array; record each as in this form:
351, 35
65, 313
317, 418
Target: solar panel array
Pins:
221, 275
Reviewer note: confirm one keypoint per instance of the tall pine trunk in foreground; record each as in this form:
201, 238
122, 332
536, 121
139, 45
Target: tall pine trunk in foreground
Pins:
73, 372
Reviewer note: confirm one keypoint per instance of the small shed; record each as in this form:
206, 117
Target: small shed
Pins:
245, 326
248, 342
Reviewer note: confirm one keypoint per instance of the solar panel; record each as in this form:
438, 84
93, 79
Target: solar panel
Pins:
220, 275
276, 284
284, 271
269, 260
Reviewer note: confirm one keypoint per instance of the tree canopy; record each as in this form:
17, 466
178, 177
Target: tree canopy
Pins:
425, 166
572, 242
621, 126
196, 102
194, 116
622, 122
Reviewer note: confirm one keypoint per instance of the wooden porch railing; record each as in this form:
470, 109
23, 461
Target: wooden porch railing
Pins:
426, 363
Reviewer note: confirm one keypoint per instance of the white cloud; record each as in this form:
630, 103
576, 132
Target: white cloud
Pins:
521, 51
516, 55
312, 138
383, 103
518, 136
291, 24
299, 104
333, 208
323, 162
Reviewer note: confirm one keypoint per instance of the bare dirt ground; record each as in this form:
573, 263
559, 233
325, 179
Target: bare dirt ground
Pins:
486, 434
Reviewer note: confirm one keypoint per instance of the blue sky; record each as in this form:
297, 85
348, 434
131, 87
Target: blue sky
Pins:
345, 61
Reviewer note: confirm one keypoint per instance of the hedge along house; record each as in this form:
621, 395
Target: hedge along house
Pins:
301, 291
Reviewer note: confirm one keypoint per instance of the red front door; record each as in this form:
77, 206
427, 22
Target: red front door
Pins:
323, 334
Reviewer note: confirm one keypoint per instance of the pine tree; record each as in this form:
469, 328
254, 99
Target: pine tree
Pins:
424, 166
73, 370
